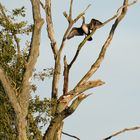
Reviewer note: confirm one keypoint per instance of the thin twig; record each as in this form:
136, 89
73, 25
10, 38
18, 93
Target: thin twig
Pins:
122, 131
70, 135
50, 27
81, 14
70, 11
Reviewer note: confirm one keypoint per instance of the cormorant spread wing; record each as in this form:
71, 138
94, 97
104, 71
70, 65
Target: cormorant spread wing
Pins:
75, 32
94, 23
85, 29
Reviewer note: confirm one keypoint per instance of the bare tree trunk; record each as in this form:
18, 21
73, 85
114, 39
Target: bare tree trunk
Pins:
55, 130
21, 126
58, 133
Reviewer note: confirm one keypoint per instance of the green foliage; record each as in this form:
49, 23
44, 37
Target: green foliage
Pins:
13, 66
7, 50
13, 57
39, 115
7, 118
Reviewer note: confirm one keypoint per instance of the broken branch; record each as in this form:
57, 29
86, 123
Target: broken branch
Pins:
88, 85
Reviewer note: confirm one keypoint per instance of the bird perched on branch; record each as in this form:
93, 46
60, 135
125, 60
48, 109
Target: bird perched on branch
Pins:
85, 29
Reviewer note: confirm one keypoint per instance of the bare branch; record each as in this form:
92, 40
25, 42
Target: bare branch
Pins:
70, 11
66, 16
34, 52
71, 22
50, 28
10, 91
70, 135
57, 69
129, 4
66, 77
85, 86
88, 85
64, 100
66, 66
81, 14
69, 18
118, 13
122, 131
64, 37
75, 103
79, 48
84, 41
107, 21
57, 55
99, 60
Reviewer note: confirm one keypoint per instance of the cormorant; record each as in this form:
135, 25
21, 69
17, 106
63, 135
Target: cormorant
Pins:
85, 29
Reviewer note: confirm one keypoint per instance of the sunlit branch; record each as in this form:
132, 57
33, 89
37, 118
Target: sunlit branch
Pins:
50, 27
33, 54
122, 131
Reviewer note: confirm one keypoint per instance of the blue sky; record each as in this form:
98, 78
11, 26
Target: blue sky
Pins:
114, 105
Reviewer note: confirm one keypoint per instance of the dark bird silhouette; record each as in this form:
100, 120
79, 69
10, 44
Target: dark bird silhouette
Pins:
85, 29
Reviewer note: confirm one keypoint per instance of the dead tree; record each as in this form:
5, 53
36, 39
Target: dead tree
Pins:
63, 106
